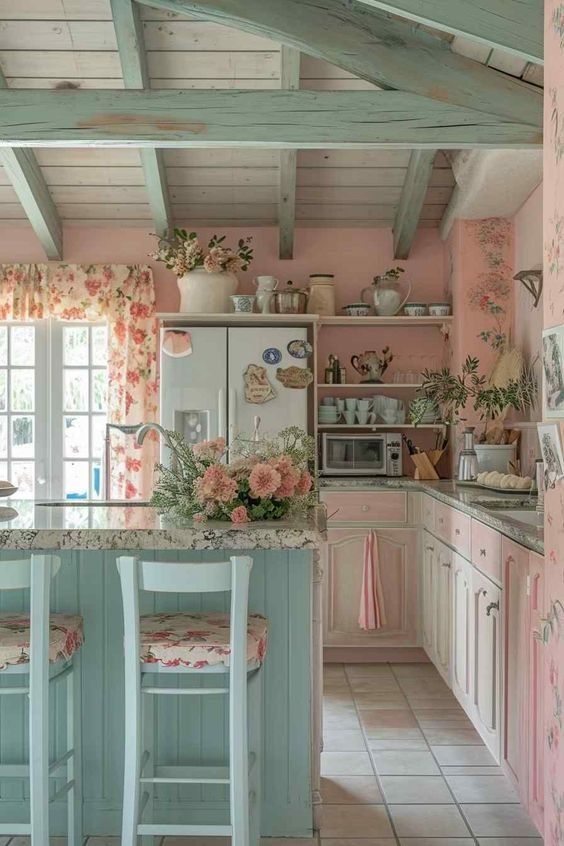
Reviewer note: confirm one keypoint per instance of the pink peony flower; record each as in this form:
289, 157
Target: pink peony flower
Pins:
209, 449
239, 515
305, 483
290, 479
264, 480
216, 485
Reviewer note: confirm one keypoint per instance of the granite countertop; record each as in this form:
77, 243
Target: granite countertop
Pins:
27, 524
470, 500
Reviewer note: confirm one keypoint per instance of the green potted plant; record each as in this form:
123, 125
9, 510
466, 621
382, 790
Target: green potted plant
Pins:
207, 276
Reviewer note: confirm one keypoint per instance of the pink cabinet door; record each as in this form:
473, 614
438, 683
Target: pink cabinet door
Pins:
442, 609
461, 629
536, 692
398, 556
428, 590
516, 664
486, 682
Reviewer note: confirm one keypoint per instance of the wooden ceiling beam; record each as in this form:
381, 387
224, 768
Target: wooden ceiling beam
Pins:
27, 181
129, 35
410, 206
277, 119
289, 81
515, 26
374, 46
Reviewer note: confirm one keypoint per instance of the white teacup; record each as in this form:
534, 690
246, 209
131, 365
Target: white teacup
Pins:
389, 415
364, 417
364, 405
350, 417
340, 405
351, 404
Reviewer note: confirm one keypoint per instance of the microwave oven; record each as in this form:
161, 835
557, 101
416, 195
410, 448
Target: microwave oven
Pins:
361, 455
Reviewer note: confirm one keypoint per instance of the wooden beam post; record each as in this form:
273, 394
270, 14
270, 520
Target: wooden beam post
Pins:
289, 81
411, 201
129, 34
512, 25
276, 119
374, 46
27, 181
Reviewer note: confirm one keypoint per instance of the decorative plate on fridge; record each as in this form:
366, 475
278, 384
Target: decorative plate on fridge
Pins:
300, 349
272, 355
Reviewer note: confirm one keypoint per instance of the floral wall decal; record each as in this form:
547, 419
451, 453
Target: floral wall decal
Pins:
491, 292
558, 22
557, 130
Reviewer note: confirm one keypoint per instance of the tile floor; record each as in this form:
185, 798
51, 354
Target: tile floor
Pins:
403, 764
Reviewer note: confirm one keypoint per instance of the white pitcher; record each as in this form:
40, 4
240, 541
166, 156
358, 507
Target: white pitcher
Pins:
386, 295
265, 286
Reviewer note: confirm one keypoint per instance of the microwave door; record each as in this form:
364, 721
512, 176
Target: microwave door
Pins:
370, 456
339, 454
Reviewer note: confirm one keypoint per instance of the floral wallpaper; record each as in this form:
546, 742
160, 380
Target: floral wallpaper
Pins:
491, 292
554, 500
124, 296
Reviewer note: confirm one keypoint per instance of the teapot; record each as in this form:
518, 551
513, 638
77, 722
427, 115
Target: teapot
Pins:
371, 366
386, 293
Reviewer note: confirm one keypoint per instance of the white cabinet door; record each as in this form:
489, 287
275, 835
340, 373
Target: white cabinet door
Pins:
461, 629
442, 609
486, 600
427, 594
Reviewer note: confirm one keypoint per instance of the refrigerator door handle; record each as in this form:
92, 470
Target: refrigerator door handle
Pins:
232, 414
221, 427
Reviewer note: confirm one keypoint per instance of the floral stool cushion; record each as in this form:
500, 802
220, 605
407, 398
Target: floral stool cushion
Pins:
197, 640
66, 636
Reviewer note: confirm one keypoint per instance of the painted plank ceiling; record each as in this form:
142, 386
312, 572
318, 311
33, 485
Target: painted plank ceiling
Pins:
72, 43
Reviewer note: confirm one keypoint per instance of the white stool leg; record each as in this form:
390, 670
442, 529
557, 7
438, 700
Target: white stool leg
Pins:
148, 716
255, 747
39, 700
239, 763
74, 742
132, 762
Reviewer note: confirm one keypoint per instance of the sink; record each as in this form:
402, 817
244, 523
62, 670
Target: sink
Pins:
524, 515
90, 503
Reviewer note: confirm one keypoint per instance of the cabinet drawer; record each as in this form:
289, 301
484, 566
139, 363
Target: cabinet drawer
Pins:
365, 506
453, 527
428, 513
486, 550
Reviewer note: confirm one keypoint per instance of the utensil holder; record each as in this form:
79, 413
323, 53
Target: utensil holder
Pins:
425, 463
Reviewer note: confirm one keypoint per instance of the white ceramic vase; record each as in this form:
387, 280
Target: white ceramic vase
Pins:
206, 293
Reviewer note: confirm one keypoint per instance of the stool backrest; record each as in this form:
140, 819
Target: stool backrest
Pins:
180, 577
16, 575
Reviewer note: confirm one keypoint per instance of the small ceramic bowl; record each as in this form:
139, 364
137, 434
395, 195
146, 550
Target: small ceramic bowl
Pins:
439, 309
415, 309
243, 302
357, 310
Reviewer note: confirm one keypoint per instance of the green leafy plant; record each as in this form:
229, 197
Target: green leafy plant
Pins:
391, 273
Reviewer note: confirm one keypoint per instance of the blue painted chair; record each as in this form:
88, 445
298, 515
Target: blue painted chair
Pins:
232, 646
43, 649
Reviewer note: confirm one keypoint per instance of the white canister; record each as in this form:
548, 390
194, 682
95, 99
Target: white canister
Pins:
495, 456
321, 294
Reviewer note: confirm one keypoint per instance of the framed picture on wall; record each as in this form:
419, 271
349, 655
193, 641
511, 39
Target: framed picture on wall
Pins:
551, 449
553, 371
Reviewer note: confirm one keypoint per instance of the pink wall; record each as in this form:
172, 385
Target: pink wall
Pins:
353, 255
554, 502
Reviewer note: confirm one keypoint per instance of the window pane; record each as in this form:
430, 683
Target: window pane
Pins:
3, 471
23, 475
22, 437
99, 387
3, 390
3, 436
100, 345
22, 349
4, 345
75, 390
76, 480
23, 390
98, 435
75, 436
75, 345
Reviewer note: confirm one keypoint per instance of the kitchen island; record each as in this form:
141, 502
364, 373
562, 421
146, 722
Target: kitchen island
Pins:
285, 587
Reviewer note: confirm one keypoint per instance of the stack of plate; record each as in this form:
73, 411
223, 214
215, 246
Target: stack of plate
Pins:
328, 414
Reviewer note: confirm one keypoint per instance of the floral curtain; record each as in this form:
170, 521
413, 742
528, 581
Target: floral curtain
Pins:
124, 296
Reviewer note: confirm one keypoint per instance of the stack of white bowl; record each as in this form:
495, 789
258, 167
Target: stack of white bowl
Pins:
388, 409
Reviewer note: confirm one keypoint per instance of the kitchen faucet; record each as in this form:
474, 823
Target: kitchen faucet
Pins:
139, 429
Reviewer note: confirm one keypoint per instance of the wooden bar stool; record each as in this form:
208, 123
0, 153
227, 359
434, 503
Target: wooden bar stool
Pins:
44, 648
232, 646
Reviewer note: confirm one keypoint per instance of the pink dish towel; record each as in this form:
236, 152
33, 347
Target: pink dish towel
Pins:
371, 614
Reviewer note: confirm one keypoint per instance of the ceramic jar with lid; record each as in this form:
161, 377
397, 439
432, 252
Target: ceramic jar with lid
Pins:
321, 294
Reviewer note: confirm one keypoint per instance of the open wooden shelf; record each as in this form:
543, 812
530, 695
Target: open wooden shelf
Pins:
297, 320
402, 320
369, 427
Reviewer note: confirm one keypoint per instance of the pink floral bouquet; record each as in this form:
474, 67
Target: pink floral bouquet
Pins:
267, 480
184, 253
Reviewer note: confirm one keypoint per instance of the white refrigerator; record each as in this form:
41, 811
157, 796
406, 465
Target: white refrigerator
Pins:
202, 385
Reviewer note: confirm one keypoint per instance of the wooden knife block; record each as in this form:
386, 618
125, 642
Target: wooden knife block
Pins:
425, 463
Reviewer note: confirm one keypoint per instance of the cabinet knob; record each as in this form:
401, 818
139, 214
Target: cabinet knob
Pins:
483, 553
365, 508
446, 564
491, 607
457, 531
